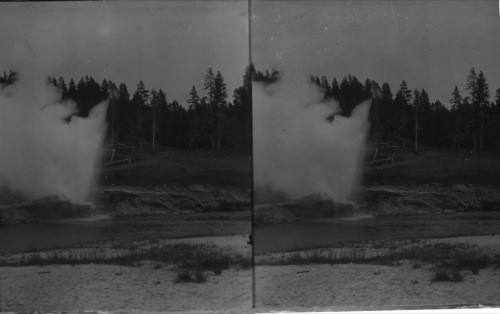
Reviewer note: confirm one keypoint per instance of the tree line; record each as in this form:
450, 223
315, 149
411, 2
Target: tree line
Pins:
411, 120
210, 122
147, 119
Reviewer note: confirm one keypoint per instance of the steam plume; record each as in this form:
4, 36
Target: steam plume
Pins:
297, 151
41, 152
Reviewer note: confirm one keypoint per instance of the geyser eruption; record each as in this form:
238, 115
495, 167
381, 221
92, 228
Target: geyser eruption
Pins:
297, 150
45, 149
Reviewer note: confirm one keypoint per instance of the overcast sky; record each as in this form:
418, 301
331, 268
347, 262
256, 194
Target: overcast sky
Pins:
168, 45
430, 44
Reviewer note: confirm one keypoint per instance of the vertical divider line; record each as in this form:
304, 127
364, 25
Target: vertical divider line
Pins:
252, 189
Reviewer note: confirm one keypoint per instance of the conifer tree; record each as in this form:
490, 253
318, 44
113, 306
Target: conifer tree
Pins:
456, 99
326, 87
417, 102
112, 95
482, 99
139, 102
72, 90
335, 88
194, 120
471, 86
220, 98
385, 111
62, 88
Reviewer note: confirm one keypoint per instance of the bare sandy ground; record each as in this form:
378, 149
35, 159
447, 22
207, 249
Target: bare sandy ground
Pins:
103, 287
109, 287
354, 285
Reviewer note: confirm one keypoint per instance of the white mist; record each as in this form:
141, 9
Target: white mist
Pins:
40, 153
297, 151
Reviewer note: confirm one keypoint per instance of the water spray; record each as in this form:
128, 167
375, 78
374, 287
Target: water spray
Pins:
298, 151
45, 154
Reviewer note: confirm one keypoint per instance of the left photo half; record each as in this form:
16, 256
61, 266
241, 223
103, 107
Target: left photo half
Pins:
125, 156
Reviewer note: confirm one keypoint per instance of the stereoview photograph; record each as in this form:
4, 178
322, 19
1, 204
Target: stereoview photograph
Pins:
249, 156
125, 170
376, 148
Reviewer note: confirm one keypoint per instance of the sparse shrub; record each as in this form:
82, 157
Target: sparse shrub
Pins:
133, 247
188, 275
35, 259
449, 256
473, 261
457, 276
183, 275
200, 277
117, 246
213, 261
496, 261
448, 275
441, 275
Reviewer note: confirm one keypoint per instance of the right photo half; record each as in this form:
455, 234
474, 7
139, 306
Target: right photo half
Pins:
376, 154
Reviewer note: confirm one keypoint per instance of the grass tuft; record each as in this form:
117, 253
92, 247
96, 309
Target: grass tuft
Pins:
457, 276
448, 275
189, 275
441, 275
184, 275
192, 260
446, 256
191, 256
200, 277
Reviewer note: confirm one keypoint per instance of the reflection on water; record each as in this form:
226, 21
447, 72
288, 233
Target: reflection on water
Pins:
272, 238
316, 233
307, 234
49, 234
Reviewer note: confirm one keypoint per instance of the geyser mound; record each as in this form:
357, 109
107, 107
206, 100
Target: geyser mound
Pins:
48, 207
46, 149
298, 151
